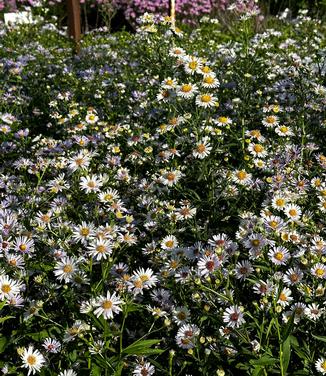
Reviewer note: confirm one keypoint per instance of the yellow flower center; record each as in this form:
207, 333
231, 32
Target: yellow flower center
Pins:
320, 272
283, 297
170, 176
223, 119
144, 278
201, 148
279, 256
280, 202
293, 212
67, 268
6, 288
169, 243
270, 119
23, 247
209, 80
100, 248
84, 231
323, 365
284, 129
31, 360
193, 65
107, 304
206, 98
186, 88
241, 175
255, 242
258, 148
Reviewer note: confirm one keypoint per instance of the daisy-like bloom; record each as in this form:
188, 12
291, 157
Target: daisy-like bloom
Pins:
243, 269
187, 335
255, 134
108, 305
68, 372
321, 365
313, 311
180, 315
241, 177
203, 148
109, 195
292, 211
44, 219
32, 359
270, 121
208, 264
176, 52
16, 301
279, 255
51, 345
255, 242
100, 249
206, 100
293, 276
79, 162
23, 244
284, 131
187, 90
127, 238
284, 297
222, 121
169, 83
185, 212
91, 183
319, 271
192, 65
279, 201
171, 178
220, 241
322, 205
97, 347
9, 287
91, 118
263, 288
146, 369
257, 150
83, 232
65, 269
119, 270
15, 261
210, 81
233, 317
146, 276
273, 222
165, 95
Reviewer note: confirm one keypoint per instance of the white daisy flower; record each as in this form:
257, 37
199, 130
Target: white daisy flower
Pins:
233, 317
319, 271
65, 269
91, 183
292, 211
51, 345
321, 365
9, 287
108, 305
32, 359
187, 335
279, 255
187, 90
68, 372
206, 100
144, 369
100, 249
169, 242
203, 149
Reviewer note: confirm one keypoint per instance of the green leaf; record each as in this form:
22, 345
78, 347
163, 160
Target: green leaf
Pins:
3, 344
288, 328
96, 370
3, 319
320, 338
263, 361
3, 303
286, 347
257, 371
143, 347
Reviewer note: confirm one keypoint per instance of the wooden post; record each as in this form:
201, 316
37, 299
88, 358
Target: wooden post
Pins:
172, 12
74, 29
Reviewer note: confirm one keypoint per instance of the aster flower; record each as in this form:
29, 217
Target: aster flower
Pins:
187, 336
32, 359
107, 305
233, 317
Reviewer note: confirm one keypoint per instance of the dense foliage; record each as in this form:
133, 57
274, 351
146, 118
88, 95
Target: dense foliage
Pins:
163, 200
